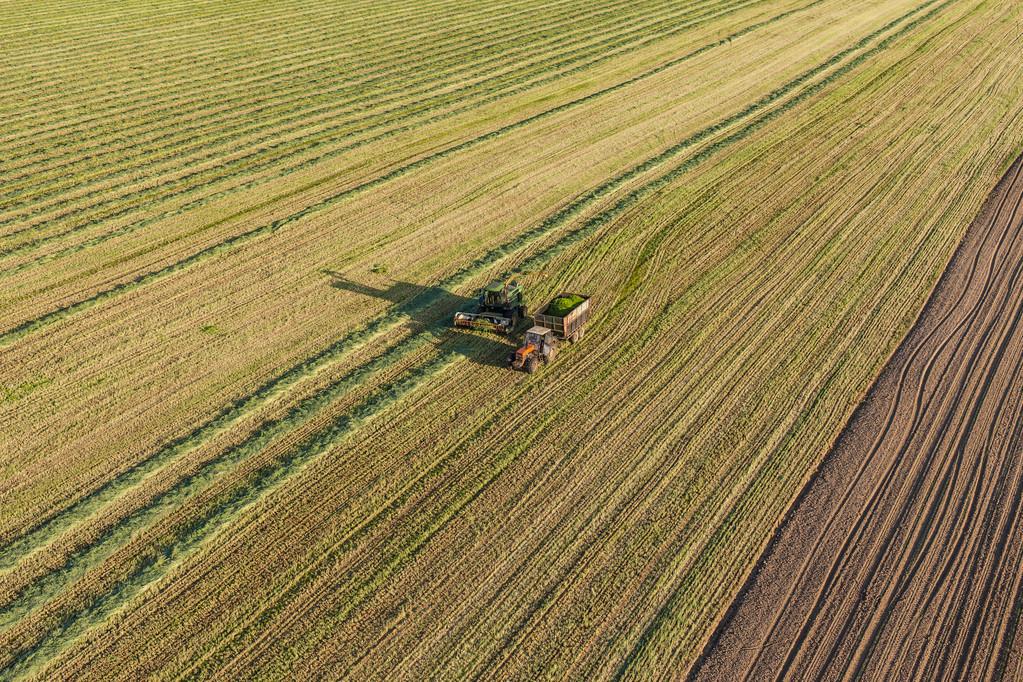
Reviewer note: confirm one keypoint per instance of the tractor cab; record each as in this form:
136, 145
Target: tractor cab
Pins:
540, 345
499, 295
540, 337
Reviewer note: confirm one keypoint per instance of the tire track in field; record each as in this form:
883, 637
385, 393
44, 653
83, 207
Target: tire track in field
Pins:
266, 157
606, 188
30, 650
918, 408
941, 490
964, 664
950, 351
998, 662
753, 294
888, 422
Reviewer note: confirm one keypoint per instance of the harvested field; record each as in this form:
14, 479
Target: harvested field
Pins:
902, 558
240, 437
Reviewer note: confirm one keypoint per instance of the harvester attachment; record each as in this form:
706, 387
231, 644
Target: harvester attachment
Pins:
487, 321
499, 307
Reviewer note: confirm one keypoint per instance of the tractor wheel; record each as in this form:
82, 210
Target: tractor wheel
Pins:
531, 366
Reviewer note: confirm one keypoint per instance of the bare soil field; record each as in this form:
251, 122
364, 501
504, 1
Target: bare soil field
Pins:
902, 558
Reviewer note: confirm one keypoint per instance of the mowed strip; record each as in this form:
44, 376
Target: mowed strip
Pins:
123, 592
37, 594
403, 255
486, 63
917, 506
118, 90
396, 94
317, 149
350, 578
312, 140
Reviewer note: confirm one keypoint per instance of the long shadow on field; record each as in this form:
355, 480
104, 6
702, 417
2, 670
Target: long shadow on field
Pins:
432, 308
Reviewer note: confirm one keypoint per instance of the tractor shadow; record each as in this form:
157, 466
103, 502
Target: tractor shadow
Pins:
432, 308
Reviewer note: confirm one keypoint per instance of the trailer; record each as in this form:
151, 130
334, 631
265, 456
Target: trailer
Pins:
566, 324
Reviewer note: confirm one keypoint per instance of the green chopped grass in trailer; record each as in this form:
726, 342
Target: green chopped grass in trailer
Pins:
563, 305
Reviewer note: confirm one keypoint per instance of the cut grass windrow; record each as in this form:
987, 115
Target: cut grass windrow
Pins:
131, 227
51, 525
296, 99
267, 155
603, 217
445, 67
142, 112
16, 601
164, 42
19, 331
195, 67
152, 562
201, 60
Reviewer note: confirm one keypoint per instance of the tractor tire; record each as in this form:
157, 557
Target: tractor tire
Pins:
532, 365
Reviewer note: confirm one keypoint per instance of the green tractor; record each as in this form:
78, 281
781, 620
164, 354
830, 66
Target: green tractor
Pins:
499, 307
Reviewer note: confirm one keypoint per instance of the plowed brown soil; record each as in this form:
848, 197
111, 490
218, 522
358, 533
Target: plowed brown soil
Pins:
902, 557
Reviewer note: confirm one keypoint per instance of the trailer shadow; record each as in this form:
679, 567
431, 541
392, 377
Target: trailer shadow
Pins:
432, 308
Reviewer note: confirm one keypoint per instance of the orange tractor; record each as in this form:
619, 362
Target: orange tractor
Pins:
560, 320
